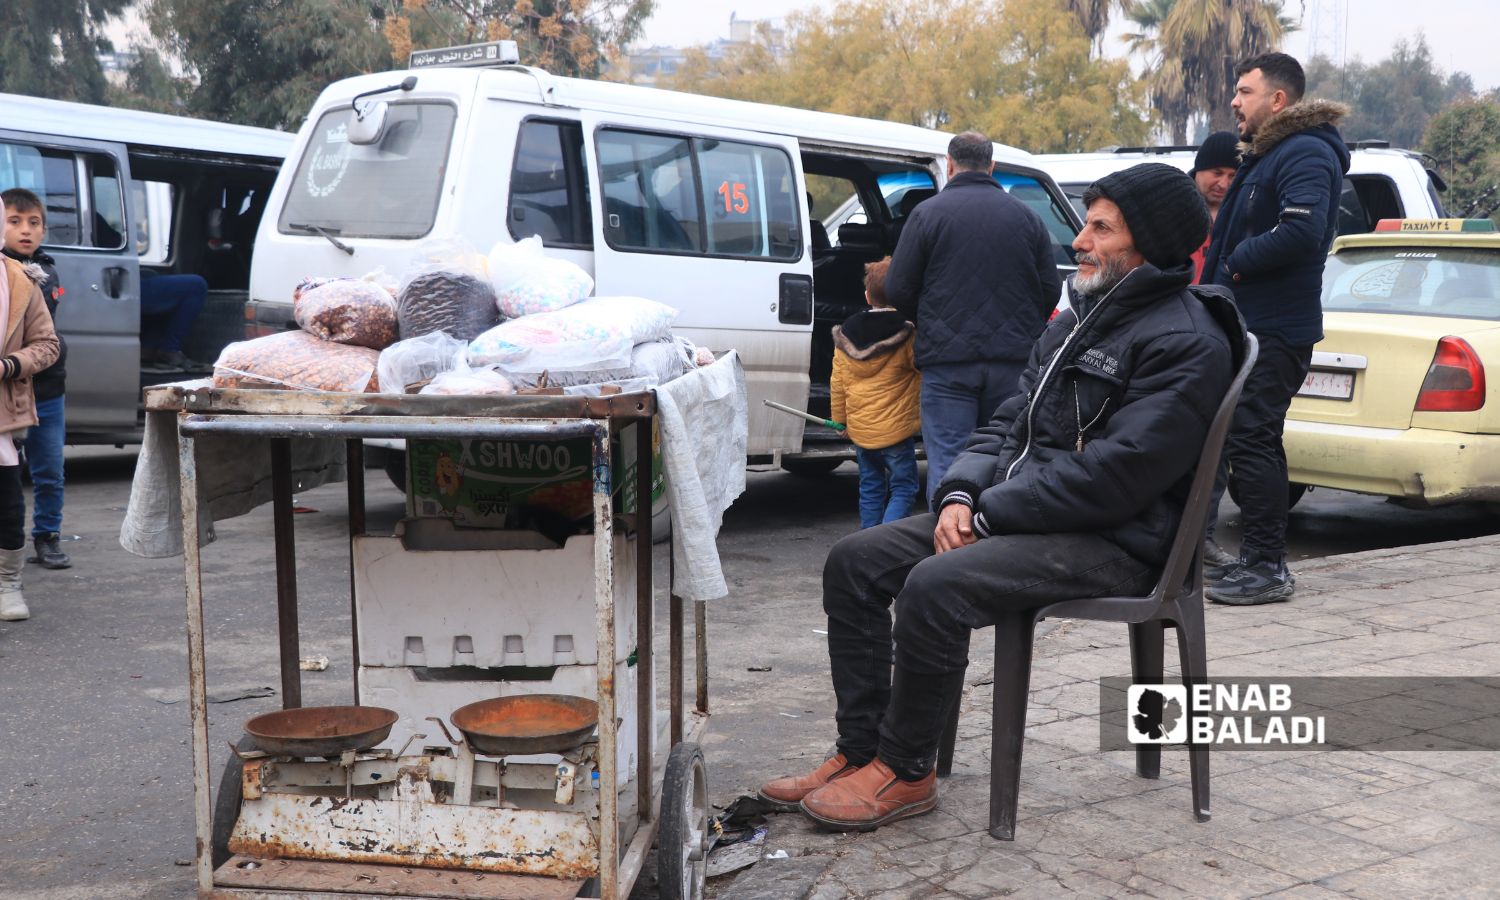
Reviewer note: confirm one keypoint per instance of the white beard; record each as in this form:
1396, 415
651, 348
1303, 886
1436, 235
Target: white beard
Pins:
1104, 279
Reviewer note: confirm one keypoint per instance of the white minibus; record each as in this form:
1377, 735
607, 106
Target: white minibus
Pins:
709, 205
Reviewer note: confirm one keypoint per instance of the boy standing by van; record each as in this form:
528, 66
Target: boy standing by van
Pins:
876, 391
28, 346
25, 229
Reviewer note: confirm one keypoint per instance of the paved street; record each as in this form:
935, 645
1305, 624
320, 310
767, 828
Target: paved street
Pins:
94, 775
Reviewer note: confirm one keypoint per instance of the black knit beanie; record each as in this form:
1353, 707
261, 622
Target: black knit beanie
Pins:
1162, 208
1219, 150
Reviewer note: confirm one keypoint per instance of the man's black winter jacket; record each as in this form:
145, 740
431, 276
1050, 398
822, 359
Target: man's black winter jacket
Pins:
975, 271
1110, 418
1278, 220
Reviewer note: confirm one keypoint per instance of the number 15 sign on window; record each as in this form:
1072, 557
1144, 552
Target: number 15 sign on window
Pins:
736, 200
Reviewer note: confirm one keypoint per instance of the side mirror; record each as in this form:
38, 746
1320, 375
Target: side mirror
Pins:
368, 125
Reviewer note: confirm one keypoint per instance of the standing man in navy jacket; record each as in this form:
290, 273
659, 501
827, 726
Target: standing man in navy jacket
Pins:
1270, 241
975, 270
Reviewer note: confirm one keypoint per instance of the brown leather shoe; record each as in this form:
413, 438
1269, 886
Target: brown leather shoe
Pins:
787, 792
870, 798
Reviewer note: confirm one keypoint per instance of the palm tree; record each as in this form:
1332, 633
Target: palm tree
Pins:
1169, 95
1209, 37
1093, 15
1193, 47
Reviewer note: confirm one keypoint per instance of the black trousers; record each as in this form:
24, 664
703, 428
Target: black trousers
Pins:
1254, 457
939, 600
12, 508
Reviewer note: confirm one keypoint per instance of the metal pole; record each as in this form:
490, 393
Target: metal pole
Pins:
674, 649
187, 472
700, 657
645, 665
355, 461
604, 668
286, 572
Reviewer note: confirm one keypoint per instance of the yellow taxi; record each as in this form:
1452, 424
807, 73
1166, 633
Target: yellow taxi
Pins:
1397, 402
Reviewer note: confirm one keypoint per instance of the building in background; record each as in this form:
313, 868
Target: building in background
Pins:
647, 66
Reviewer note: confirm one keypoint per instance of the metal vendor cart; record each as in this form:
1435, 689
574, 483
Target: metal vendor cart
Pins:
527, 798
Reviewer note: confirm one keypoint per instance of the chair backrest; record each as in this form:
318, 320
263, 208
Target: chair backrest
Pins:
912, 198
862, 235
1181, 573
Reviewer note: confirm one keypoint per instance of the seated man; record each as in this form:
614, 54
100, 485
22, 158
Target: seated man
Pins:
1074, 489
170, 304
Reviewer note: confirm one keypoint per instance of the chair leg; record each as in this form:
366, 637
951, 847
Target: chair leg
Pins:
1013, 635
950, 735
1147, 665
1192, 647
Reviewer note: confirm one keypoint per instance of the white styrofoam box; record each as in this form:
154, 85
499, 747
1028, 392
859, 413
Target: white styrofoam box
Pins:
413, 700
486, 608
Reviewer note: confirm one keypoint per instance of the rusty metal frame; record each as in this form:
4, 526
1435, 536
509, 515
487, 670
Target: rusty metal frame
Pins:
353, 417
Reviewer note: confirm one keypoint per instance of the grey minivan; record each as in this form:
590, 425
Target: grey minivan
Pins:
128, 193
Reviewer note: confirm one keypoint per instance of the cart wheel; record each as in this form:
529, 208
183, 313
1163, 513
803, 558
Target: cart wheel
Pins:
682, 841
227, 804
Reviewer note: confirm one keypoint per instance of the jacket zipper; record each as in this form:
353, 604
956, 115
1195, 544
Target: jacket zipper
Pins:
1078, 414
1041, 384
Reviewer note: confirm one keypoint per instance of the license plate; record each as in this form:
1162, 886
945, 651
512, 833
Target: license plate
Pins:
1333, 385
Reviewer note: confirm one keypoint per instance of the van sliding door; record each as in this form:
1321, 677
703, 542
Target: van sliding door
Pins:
713, 223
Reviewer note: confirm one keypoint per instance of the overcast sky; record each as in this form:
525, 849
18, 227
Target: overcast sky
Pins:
1460, 32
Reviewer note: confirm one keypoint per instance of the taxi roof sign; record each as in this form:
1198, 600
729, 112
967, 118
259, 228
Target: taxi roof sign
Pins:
1435, 226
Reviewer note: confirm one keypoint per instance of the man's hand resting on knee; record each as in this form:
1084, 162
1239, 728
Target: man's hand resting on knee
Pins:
954, 528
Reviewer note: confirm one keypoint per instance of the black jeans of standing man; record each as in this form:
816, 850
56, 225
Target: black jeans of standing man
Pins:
1254, 457
939, 600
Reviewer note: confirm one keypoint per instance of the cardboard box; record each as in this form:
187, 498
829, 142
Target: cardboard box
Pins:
521, 484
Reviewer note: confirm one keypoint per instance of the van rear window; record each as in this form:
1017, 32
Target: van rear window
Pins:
388, 189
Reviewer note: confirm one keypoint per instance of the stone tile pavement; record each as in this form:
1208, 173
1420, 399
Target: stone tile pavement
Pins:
1303, 824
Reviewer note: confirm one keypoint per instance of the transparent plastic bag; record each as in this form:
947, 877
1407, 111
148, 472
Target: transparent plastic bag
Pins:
596, 334
470, 382
419, 359
527, 281
348, 311
296, 360
662, 361
446, 288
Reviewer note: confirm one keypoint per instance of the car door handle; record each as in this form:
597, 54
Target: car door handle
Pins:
114, 281
795, 300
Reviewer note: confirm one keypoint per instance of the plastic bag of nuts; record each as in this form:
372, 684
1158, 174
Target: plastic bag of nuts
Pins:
299, 361
348, 311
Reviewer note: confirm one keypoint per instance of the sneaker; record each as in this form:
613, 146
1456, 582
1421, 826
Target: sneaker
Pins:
49, 552
1217, 562
1253, 583
786, 793
869, 798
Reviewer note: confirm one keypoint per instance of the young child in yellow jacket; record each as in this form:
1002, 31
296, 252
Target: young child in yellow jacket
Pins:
876, 391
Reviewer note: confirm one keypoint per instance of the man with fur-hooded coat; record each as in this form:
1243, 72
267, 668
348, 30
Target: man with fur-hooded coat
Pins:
1269, 244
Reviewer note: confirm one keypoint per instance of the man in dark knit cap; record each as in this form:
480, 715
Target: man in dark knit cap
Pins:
1213, 169
1073, 489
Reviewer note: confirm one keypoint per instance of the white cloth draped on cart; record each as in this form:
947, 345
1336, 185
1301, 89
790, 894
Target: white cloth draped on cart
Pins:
705, 435
234, 477
703, 420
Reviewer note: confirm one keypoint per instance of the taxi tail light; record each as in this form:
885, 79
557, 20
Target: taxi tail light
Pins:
1455, 380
